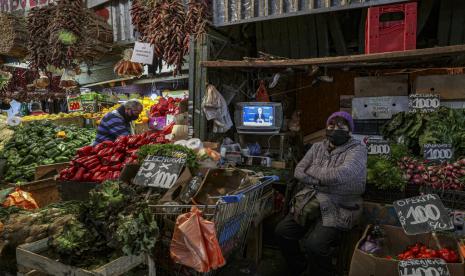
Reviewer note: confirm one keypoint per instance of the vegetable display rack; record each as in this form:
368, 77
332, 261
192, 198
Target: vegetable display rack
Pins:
233, 215
451, 198
29, 258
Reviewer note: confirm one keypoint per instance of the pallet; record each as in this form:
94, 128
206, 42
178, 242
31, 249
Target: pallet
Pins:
51, 170
30, 261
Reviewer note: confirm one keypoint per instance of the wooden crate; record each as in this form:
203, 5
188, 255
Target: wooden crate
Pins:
29, 259
44, 191
51, 170
73, 190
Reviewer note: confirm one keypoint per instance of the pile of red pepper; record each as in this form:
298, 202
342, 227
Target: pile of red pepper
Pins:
106, 160
420, 251
165, 107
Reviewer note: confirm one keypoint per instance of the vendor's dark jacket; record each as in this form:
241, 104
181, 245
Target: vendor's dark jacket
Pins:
339, 178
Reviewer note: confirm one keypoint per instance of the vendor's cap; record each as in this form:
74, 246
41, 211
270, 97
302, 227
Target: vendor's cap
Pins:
342, 114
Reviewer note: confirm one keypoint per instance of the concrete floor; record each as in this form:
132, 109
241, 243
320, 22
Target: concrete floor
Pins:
272, 264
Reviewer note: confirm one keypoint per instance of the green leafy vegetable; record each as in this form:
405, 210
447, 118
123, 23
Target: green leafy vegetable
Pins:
384, 172
170, 151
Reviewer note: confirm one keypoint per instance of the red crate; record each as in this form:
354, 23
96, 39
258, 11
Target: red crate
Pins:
391, 36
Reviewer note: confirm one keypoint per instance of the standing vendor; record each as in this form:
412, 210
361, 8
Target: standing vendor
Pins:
334, 174
118, 122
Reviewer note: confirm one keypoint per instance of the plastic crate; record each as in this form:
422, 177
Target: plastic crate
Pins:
369, 127
376, 195
452, 199
386, 33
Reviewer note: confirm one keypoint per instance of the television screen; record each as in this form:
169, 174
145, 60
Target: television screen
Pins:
258, 116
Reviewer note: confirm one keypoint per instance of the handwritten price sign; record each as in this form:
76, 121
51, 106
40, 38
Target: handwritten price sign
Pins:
160, 171
426, 267
423, 214
378, 147
438, 152
74, 103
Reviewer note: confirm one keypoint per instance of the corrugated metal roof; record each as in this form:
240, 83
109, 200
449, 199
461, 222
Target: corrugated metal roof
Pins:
230, 12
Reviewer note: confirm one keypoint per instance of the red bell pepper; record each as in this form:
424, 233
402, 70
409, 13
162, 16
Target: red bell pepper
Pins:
89, 164
85, 151
103, 145
82, 160
101, 177
86, 177
95, 176
96, 169
79, 175
106, 160
116, 158
106, 152
122, 140
116, 167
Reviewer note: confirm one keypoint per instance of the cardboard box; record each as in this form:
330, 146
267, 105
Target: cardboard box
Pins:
367, 108
449, 87
180, 132
396, 242
381, 86
182, 119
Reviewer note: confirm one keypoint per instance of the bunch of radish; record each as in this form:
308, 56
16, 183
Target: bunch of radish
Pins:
447, 176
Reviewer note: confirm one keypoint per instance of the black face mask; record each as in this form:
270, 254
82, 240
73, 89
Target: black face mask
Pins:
337, 137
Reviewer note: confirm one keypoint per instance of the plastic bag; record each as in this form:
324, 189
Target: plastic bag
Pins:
262, 94
215, 108
195, 244
21, 199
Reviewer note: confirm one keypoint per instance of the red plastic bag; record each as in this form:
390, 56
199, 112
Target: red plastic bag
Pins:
262, 94
194, 242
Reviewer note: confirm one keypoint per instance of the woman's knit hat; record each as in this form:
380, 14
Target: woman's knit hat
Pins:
342, 114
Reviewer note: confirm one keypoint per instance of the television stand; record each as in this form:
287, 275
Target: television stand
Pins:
283, 137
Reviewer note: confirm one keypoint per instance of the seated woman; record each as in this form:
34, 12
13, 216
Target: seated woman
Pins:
334, 173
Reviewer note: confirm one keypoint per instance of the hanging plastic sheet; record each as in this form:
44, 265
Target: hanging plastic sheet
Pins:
195, 243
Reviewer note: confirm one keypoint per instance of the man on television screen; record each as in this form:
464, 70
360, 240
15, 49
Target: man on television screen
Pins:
260, 117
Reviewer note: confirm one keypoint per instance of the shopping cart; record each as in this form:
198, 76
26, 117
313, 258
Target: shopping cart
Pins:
232, 215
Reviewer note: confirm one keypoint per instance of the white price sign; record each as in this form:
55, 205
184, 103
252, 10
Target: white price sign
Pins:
424, 103
143, 53
378, 147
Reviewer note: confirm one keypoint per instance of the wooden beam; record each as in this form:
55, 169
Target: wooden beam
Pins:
352, 59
